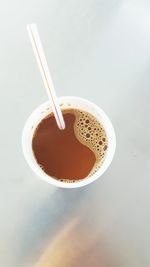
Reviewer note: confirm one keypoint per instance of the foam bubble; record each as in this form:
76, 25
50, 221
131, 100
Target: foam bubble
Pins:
67, 180
91, 133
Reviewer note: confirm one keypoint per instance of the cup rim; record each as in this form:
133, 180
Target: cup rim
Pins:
42, 175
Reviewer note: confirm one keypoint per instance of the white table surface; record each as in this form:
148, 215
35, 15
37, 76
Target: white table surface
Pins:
99, 50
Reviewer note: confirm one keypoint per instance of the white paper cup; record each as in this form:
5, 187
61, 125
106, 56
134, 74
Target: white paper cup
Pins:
67, 102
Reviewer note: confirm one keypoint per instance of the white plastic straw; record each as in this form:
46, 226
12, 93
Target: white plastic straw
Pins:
44, 70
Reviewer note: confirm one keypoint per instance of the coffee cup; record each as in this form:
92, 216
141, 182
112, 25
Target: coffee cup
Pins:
67, 102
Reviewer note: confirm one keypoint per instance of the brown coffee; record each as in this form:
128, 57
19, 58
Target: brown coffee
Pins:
74, 153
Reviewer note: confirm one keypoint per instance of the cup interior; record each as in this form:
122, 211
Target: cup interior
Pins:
67, 102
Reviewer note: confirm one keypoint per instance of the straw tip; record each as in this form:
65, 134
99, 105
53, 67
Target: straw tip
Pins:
28, 25
62, 126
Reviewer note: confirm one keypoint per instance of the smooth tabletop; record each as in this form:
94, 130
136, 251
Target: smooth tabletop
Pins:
99, 50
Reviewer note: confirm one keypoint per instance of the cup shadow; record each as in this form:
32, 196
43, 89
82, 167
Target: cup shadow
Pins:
53, 216
44, 220
73, 247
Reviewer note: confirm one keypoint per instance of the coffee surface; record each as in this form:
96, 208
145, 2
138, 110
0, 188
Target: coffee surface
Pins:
71, 154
